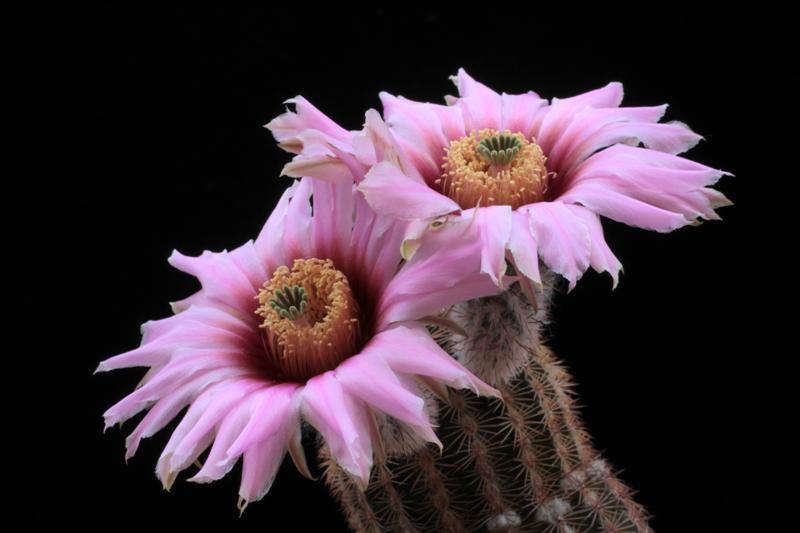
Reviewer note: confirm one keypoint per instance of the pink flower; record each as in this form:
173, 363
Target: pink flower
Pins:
317, 320
546, 170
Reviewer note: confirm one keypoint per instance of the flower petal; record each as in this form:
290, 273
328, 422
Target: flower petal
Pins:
520, 111
265, 414
379, 144
196, 429
260, 466
198, 327
418, 131
554, 122
586, 130
171, 404
562, 237
287, 127
269, 412
482, 107
343, 422
222, 279
645, 188
523, 248
411, 350
390, 192
494, 227
332, 222
186, 365
601, 258
423, 287
368, 377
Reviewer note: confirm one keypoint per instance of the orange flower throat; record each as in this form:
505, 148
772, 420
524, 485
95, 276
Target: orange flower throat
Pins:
493, 168
310, 318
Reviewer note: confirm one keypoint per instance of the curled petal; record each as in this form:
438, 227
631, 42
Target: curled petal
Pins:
287, 127
392, 193
422, 287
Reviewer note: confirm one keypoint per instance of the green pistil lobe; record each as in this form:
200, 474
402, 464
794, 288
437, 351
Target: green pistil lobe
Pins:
499, 149
290, 302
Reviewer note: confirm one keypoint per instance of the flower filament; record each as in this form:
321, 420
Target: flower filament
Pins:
310, 318
488, 167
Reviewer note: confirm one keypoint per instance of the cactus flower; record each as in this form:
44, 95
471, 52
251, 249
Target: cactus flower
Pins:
547, 171
318, 319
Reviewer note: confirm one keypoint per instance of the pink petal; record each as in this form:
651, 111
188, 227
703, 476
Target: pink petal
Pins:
184, 334
381, 145
375, 246
263, 415
171, 404
269, 413
672, 138
184, 367
520, 111
645, 188
586, 129
298, 223
482, 107
269, 244
423, 287
260, 466
557, 117
410, 350
523, 247
418, 131
332, 222
223, 400
287, 127
451, 119
494, 227
622, 205
214, 467
222, 280
601, 258
320, 158
195, 442
392, 193
343, 422
368, 377
562, 237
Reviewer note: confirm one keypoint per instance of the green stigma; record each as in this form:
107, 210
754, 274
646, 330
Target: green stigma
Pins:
499, 149
289, 302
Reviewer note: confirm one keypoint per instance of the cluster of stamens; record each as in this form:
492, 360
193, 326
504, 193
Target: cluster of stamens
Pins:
488, 167
310, 318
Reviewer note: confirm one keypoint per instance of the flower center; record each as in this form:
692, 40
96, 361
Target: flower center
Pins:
488, 167
310, 318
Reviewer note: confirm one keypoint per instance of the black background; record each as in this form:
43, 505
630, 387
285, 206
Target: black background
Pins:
138, 131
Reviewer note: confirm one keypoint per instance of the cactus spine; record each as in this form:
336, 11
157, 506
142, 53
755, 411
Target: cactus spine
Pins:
523, 464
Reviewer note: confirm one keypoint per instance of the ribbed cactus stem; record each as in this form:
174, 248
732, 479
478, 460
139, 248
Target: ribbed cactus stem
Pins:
515, 465
358, 512
520, 464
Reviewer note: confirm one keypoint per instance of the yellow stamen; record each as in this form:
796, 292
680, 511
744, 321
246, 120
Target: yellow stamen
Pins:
471, 174
301, 346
